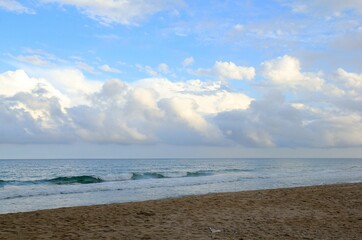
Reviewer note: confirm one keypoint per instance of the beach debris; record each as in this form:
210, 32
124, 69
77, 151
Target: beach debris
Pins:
213, 230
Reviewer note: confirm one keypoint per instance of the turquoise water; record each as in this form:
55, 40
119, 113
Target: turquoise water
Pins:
27, 185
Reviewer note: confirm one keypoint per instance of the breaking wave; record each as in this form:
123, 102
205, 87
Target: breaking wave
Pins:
66, 180
147, 175
75, 180
87, 179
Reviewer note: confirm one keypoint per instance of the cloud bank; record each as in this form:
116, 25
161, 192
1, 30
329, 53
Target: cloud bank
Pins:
293, 108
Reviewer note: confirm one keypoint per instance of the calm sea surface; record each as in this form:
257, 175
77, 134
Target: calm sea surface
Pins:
27, 185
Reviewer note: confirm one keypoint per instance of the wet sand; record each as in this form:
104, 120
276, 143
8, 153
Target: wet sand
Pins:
318, 212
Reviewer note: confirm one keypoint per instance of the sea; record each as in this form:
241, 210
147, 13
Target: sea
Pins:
27, 185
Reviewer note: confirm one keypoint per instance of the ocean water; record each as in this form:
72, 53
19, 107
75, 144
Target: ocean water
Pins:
27, 185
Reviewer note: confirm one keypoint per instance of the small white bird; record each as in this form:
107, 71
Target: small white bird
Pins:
212, 230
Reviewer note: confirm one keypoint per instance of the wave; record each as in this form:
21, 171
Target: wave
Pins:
4, 182
75, 180
151, 175
88, 179
37, 191
200, 173
147, 175
66, 180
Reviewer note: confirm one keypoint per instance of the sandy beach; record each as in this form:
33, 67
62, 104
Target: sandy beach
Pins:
318, 212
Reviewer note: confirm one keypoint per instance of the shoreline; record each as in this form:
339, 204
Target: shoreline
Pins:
181, 196
322, 211
185, 196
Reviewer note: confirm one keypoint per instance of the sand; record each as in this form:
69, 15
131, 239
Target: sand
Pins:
318, 212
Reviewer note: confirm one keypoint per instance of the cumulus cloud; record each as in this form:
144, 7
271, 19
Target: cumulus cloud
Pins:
119, 12
225, 71
69, 81
229, 70
209, 97
286, 71
32, 110
14, 82
353, 80
345, 91
15, 6
271, 121
62, 105
116, 111
268, 122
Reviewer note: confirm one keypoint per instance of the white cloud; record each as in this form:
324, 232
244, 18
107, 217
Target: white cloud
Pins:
286, 71
69, 81
33, 59
38, 57
273, 122
224, 71
282, 70
131, 113
116, 111
62, 105
120, 12
15, 6
163, 68
326, 8
188, 61
32, 110
229, 70
13, 82
239, 27
109, 69
209, 97
85, 66
185, 109
353, 80
150, 71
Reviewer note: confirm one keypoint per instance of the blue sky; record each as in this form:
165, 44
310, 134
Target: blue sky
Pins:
240, 78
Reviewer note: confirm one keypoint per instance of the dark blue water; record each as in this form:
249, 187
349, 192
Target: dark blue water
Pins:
42, 184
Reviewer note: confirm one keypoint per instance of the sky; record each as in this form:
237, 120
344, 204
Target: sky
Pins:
180, 78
